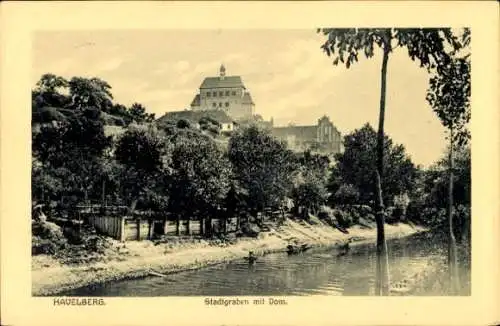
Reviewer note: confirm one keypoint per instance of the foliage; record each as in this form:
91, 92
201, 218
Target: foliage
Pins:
200, 178
427, 45
90, 92
449, 96
437, 180
69, 155
138, 113
356, 167
346, 194
143, 154
263, 166
309, 189
56, 99
311, 194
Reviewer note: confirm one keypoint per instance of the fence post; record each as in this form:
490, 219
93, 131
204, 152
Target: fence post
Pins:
138, 222
122, 228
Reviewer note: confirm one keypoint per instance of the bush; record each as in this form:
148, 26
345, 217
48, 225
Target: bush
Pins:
41, 246
47, 238
183, 124
214, 130
347, 194
250, 230
343, 218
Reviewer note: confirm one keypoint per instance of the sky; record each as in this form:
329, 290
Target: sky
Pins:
286, 72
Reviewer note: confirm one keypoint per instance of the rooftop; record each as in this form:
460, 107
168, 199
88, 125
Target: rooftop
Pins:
299, 131
222, 82
196, 116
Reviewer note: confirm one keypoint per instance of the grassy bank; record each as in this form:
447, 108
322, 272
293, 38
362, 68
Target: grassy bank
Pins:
136, 259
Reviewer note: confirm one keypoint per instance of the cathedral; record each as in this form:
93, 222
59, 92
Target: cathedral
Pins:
224, 93
323, 137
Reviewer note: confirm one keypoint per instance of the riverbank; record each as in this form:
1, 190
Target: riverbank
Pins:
137, 259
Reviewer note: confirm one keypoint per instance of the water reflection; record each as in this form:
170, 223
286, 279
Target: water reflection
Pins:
313, 272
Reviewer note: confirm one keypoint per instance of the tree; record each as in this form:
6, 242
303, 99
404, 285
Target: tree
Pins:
263, 166
449, 96
200, 179
49, 91
428, 46
90, 92
310, 194
48, 99
139, 114
355, 166
144, 155
346, 194
309, 189
72, 151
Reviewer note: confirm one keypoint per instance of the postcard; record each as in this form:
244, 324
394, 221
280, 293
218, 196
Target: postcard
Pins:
250, 163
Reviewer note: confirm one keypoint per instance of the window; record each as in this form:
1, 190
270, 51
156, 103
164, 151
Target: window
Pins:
220, 104
214, 104
227, 104
215, 94
221, 93
208, 94
227, 93
233, 93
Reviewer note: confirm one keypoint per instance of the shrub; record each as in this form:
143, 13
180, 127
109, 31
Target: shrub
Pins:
47, 238
343, 218
347, 194
183, 124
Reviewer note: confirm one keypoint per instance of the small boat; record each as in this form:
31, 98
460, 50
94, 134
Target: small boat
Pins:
344, 248
153, 273
295, 249
251, 258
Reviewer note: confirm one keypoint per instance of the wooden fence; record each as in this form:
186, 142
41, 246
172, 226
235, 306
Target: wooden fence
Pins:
143, 226
113, 226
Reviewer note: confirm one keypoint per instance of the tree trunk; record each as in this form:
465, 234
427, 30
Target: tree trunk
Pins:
224, 230
452, 245
382, 269
131, 209
103, 193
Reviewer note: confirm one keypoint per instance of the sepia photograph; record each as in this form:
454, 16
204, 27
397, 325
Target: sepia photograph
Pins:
249, 163
298, 162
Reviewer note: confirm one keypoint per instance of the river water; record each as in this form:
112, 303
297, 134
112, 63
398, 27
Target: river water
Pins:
419, 259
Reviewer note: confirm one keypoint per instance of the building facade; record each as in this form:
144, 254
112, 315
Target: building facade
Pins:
224, 93
322, 138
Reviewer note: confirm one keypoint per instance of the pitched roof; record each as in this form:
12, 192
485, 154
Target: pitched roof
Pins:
196, 116
226, 82
196, 100
247, 99
303, 132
